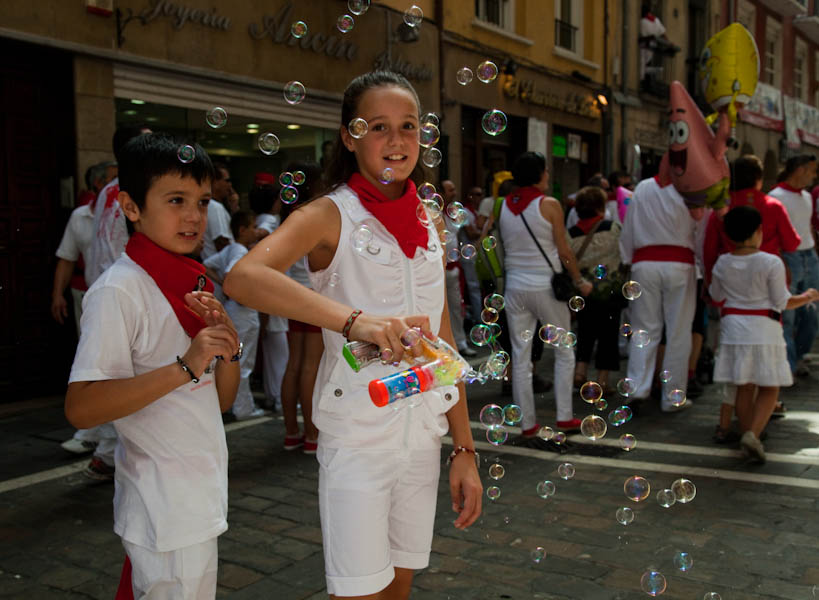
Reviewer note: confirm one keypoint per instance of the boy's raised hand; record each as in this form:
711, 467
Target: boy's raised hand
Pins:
209, 308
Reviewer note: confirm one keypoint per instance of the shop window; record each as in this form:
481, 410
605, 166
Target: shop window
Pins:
800, 71
500, 13
568, 32
773, 50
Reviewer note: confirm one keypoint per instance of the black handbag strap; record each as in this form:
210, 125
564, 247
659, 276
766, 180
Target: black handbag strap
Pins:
534, 239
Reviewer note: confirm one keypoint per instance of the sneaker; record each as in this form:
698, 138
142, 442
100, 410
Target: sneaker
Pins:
291, 442
569, 426
468, 352
694, 388
752, 447
76, 446
540, 385
310, 447
673, 409
531, 432
98, 470
253, 414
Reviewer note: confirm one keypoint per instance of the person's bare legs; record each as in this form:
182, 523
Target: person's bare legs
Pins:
313, 347
726, 415
398, 589
763, 408
745, 405
290, 383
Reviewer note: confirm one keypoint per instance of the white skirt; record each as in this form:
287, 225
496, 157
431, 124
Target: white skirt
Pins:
760, 364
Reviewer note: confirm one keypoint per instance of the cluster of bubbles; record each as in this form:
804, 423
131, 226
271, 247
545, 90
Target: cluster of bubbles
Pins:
557, 336
289, 193
362, 240
487, 73
494, 419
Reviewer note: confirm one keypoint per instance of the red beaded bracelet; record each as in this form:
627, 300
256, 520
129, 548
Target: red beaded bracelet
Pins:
349, 324
460, 449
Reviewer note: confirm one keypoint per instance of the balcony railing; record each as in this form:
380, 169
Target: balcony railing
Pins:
565, 34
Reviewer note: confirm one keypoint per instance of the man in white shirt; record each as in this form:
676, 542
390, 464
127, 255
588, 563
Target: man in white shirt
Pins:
73, 246
800, 325
217, 234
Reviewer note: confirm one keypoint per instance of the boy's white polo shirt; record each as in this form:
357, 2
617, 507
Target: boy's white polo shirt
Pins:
171, 462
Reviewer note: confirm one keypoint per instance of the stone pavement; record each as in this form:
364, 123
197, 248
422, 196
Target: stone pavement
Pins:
752, 531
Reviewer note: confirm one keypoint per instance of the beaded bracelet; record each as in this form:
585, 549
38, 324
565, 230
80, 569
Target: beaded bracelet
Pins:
460, 449
349, 324
187, 370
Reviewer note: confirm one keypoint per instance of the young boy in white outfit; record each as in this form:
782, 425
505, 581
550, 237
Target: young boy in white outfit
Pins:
246, 320
149, 361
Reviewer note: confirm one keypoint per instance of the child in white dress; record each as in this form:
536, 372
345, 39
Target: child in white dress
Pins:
752, 355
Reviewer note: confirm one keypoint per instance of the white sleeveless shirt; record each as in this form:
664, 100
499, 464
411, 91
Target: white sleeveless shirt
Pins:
379, 280
526, 269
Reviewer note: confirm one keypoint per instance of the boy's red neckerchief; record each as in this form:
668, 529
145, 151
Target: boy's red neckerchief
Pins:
398, 216
176, 275
518, 200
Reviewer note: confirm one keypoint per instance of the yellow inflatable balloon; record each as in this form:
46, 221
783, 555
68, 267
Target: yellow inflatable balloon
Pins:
729, 71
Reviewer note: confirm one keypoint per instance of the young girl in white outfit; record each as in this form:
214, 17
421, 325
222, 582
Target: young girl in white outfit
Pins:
379, 467
752, 353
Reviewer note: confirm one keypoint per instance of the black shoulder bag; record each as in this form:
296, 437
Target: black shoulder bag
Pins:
562, 284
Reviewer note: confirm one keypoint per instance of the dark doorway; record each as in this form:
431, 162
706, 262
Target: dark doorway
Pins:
38, 149
483, 155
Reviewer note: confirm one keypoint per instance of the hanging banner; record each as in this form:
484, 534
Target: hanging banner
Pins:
765, 108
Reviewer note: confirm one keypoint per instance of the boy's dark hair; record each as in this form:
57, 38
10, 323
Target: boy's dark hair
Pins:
123, 135
239, 219
741, 222
342, 163
148, 157
528, 168
590, 201
263, 197
312, 186
745, 172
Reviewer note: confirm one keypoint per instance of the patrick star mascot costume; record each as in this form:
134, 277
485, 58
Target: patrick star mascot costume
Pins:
658, 240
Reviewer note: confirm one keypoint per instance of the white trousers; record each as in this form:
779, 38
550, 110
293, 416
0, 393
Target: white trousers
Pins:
185, 574
523, 310
248, 329
275, 353
453, 298
669, 297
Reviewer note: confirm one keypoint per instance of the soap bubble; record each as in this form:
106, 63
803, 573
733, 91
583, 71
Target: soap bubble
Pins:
591, 392
361, 237
430, 118
294, 92
626, 386
546, 489
526, 335
624, 515
495, 301
626, 330
186, 154
491, 415
496, 471
627, 412
617, 417
489, 243
358, 128
464, 75
429, 135
637, 488
546, 433
432, 157
632, 290
286, 178
684, 490
497, 435
345, 23
493, 492
487, 71
216, 117
410, 337
494, 330
666, 498
425, 191
628, 442
653, 582
358, 7
676, 398
480, 335
683, 561
268, 143
538, 554
568, 339
559, 437
413, 16
665, 375
566, 470
289, 194
498, 361
489, 315
453, 208
423, 215
548, 333
299, 177
601, 404
512, 414
452, 255
600, 272
576, 303
468, 252
593, 427
298, 29
640, 338
494, 122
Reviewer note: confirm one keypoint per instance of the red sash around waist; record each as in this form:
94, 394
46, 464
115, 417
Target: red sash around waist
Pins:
664, 253
759, 312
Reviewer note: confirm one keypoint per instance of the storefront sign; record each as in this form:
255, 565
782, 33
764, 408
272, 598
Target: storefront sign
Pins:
765, 108
277, 28
801, 123
181, 14
404, 67
525, 90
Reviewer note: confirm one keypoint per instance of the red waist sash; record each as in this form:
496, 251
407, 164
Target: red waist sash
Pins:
759, 312
664, 253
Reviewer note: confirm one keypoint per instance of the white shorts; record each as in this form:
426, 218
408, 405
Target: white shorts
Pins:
185, 574
377, 512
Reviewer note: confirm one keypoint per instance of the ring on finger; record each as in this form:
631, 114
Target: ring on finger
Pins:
386, 355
